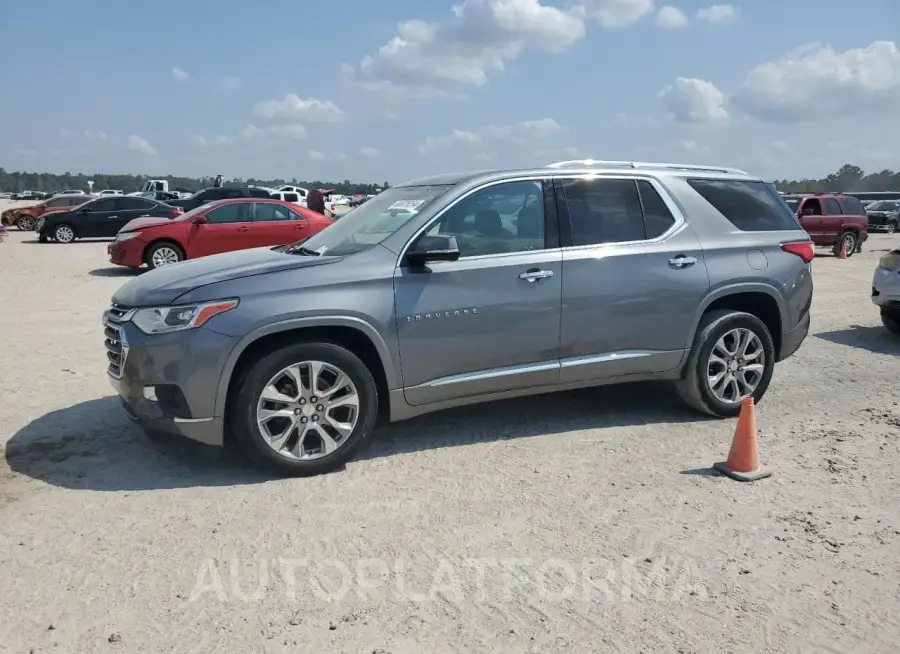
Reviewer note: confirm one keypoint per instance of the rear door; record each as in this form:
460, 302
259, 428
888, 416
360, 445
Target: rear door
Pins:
127, 209
94, 222
227, 228
276, 224
833, 218
634, 278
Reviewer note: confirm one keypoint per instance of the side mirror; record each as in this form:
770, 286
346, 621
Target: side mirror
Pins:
199, 220
433, 248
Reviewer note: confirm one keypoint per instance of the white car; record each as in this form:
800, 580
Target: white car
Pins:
107, 192
886, 290
69, 192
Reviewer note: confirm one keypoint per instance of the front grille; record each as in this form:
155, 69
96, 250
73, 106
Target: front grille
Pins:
114, 339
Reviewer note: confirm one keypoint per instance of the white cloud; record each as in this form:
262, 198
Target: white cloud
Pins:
230, 83
288, 131
671, 18
138, 144
618, 13
181, 76
517, 133
480, 38
316, 155
817, 82
718, 14
370, 152
293, 108
693, 147
561, 154
693, 100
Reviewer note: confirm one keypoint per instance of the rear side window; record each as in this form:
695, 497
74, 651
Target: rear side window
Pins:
750, 206
603, 211
832, 208
853, 207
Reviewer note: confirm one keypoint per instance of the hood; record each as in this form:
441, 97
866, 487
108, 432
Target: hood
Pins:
143, 223
162, 286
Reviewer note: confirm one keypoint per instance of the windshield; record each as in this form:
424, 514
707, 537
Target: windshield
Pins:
370, 223
884, 205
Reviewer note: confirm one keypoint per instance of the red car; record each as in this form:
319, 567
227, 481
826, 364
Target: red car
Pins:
831, 220
221, 226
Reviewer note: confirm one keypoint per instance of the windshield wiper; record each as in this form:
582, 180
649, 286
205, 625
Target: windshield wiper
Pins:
300, 249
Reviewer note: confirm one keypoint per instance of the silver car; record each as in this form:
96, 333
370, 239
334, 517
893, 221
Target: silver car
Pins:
886, 290
464, 288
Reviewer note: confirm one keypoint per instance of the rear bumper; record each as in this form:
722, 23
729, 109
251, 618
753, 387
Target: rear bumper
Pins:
793, 338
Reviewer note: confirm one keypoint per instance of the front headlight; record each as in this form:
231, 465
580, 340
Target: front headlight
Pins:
891, 261
162, 320
124, 236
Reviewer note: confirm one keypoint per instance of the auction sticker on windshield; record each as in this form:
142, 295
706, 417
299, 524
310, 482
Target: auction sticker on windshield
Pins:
407, 205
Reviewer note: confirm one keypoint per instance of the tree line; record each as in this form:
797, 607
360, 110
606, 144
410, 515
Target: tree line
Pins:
847, 178
14, 182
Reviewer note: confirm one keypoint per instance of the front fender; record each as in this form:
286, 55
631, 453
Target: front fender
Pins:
381, 346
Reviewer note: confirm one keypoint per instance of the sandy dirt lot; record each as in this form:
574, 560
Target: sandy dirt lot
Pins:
585, 521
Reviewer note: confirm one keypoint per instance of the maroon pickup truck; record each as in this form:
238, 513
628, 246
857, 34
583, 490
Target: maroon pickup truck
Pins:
831, 220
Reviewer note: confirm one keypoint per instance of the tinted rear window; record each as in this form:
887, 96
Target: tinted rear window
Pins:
750, 206
853, 207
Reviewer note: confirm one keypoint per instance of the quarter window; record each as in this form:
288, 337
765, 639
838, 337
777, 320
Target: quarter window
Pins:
235, 212
853, 207
657, 217
749, 206
500, 219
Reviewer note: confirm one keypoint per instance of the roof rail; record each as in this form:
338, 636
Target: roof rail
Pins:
589, 163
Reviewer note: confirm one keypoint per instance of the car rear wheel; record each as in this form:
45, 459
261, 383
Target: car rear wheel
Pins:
850, 240
890, 318
25, 223
733, 356
163, 254
63, 234
304, 409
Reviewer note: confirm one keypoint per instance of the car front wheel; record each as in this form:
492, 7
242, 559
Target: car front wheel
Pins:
304, 409
733, 357
25, 223
890, 318
163, 254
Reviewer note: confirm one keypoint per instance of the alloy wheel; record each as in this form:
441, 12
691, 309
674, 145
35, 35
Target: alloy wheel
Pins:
164, 256
736, 365
25, 223
64, 234
308, 410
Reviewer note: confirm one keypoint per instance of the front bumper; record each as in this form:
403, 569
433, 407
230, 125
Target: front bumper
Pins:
168, 382
126, 253
886, 287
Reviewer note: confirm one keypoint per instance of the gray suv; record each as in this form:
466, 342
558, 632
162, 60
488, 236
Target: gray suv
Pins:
464, 288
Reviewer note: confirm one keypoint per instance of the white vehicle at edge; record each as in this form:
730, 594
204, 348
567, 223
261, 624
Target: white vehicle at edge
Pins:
299, 190
886, 290
108, 192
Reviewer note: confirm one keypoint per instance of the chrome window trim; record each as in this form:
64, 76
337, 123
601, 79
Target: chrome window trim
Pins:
480, 187
673, 208
561, 174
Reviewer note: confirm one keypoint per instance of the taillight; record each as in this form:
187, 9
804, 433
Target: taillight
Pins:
803, 249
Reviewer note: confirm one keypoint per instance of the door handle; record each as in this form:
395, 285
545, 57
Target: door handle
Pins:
682, 261
112, 217
534, 274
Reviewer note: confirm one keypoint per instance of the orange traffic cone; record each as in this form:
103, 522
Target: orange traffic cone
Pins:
843, 253
743, 458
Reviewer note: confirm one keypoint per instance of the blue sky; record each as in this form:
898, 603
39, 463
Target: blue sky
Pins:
392, 90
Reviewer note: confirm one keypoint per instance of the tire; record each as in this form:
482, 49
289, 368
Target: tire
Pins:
890, 318
269, 370
852, 241
25, 223
694, 386
64, 233
891, 227
162, 253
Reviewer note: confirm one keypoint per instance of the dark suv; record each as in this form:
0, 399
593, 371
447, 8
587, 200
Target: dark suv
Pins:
884, 216
214, 193
832, 220
464, 288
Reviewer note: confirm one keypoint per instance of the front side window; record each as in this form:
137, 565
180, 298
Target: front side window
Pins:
500, 219
367, 226
235, 212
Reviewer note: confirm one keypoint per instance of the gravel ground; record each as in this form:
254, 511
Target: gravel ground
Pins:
584, 521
